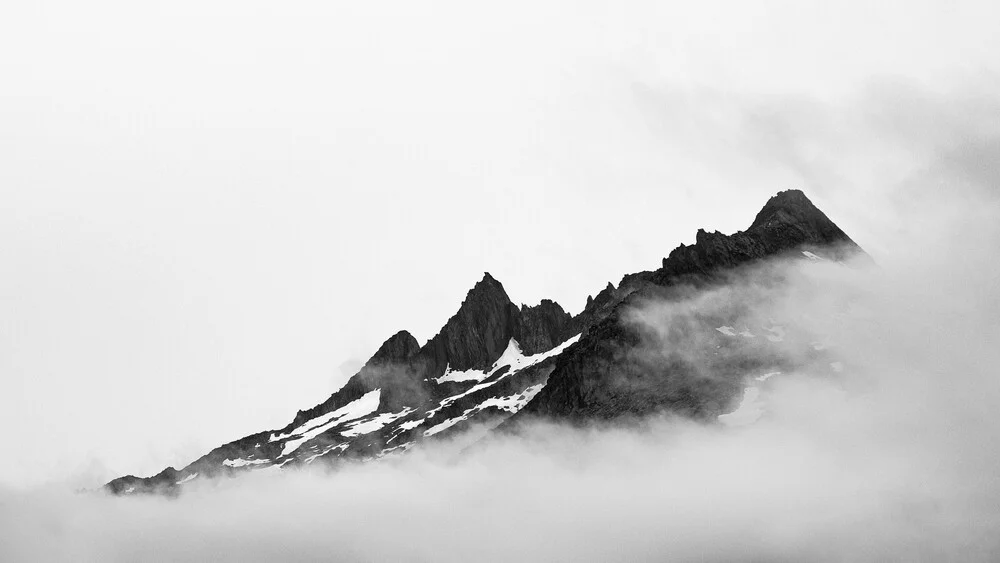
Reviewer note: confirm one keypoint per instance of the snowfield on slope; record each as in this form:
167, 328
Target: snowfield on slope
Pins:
512, 358
240, 462
357, 408
511, 404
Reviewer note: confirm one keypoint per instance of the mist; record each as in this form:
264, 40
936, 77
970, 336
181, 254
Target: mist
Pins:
208, 207
892, 456
217, 199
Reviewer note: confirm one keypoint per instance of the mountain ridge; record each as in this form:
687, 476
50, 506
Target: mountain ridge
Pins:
579, 388
496, 363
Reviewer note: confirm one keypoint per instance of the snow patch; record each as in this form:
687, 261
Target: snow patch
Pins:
727, 330
239, 462
402, 447
464, 375
812, 256
323, 419
186, 479
767, 375
512, 357
329, 449
408, 425
750, 407
510, 404
411, 424
358, 408
748, 412
444, 425
373, 424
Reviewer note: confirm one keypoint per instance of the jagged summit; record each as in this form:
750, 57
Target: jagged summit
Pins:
487, 320
788, 221
584, 385
542, 327
790, 215
478, 333
790, 206
487, 286
398, 347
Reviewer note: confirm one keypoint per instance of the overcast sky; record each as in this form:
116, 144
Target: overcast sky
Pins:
210, 209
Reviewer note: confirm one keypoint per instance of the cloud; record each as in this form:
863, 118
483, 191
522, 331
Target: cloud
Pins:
894, 457
217, 199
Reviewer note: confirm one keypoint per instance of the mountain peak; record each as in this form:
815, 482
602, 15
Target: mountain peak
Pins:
787, 221
791, 207
398, 347
488, 285
790, 216
477, 334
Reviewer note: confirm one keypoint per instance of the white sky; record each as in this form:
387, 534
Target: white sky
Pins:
207, 207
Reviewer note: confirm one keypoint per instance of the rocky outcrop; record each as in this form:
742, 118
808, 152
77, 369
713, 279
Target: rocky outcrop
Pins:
542, 327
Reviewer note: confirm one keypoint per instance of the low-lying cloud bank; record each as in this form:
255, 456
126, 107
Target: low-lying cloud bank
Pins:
893, 458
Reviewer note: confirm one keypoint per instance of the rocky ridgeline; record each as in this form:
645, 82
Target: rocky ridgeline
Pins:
494, 362
599, 378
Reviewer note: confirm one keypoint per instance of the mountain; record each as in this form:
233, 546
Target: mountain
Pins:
495, 363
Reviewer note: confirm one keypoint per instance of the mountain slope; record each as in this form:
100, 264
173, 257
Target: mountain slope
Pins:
492, 360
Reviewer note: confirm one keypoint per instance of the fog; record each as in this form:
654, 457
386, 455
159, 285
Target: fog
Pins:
895, 456
208, 207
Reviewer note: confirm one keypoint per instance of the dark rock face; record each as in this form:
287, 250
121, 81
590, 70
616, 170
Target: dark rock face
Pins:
478, 333
400, 347
788, 221
600, 376
543, 327
597, 307
789, 216
601, 306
